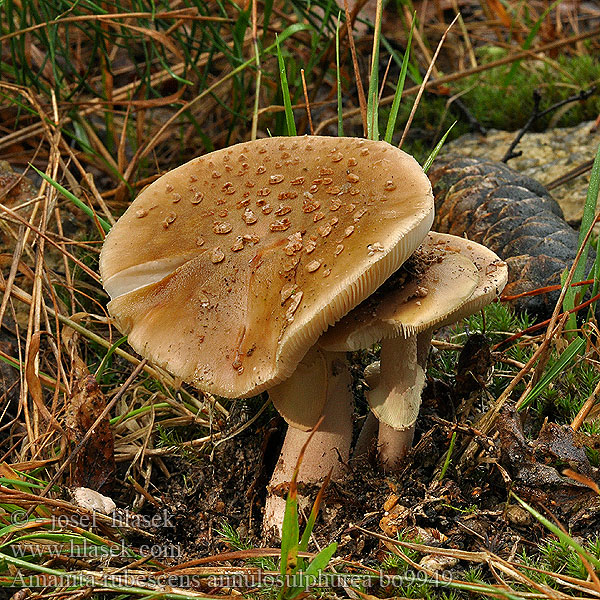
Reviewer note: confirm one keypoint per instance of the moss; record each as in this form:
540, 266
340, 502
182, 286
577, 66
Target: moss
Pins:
494, 103
497, 105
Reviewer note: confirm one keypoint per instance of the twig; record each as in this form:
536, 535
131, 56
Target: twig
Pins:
572, 174
537, 114
473, 122
537, 97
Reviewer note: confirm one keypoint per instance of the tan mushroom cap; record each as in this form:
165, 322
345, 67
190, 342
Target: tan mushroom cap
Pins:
226, 270
493, 275
462, 278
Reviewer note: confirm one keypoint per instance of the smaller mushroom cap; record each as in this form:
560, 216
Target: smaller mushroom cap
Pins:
493, 275
458, 278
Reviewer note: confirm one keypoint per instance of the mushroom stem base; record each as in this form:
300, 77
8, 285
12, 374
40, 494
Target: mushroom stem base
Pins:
396, 399
393, 445
329, 449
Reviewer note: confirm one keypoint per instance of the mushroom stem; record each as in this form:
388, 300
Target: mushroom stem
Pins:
397, 397
329, 448
393, 445
368, 433
367, 436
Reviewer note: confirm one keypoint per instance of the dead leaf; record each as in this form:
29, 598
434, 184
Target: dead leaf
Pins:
94, 465
536, 468
473, 366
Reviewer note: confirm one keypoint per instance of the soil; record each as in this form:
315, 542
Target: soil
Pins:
468, 509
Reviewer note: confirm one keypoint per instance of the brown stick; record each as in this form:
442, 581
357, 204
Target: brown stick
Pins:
584, 411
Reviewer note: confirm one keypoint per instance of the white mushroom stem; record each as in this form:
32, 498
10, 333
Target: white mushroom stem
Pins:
329, 448
397, 397
368, 433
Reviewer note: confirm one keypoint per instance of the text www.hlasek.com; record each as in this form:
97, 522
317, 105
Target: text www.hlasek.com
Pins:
83, 549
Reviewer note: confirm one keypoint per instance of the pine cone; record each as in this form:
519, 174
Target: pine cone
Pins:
511, 214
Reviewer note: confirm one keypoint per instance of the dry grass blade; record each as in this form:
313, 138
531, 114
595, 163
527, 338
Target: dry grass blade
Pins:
185, 13
585, 409
357, 78
513, 570
17, 217
308, 113
553, 329
228, 556
511, 58
424, 84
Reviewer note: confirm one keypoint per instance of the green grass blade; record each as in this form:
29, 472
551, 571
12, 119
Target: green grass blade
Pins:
391, 124
76, 201
573, 349
317, 564
310, 522
593, 190
587, 220
339, 82
448, 457
528, 41
109, 353
18, 483
290, 534
285, 90
437, 149
412, 71
372, 103
558, 532
321, 560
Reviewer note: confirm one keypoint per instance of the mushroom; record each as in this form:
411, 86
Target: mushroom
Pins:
226, 270
321, 386
457, 278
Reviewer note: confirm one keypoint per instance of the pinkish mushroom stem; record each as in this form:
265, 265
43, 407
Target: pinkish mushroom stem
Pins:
329, 448
367, 436
397, 395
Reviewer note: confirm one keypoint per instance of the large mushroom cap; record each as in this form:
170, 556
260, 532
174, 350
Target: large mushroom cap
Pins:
456, 278
227, 269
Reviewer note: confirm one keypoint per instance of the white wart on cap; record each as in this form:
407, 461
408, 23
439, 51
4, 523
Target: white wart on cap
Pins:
226, 270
